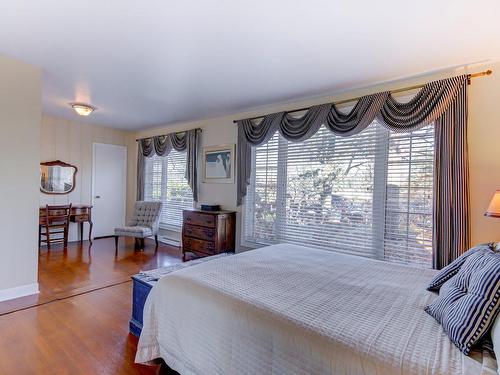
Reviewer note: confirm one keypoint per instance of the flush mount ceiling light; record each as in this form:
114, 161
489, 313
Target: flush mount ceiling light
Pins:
82, 109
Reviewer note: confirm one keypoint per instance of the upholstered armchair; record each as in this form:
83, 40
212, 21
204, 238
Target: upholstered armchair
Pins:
144, 223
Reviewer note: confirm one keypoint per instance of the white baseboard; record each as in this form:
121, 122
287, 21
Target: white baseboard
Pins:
169, 241
19, 291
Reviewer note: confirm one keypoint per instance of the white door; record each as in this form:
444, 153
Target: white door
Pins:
109, 178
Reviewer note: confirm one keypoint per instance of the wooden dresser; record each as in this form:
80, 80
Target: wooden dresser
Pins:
208, 232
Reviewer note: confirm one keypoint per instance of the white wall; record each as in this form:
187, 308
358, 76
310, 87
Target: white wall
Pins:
71, 142
20, 114
484, 132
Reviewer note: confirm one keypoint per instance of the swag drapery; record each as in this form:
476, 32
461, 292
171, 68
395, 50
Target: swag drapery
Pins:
443, 102
162, 145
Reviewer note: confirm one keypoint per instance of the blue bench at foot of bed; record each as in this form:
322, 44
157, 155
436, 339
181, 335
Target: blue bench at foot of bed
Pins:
143, 282
140, 291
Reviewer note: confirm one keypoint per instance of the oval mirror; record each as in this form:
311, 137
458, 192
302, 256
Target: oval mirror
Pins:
57, 177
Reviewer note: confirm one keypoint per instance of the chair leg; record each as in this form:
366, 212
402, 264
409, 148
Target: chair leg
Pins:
47, 237
65, 238
116, 245
156, 241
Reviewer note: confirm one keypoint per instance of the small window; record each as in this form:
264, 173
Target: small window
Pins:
165, 181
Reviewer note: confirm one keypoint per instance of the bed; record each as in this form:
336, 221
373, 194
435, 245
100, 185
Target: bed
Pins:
287, 309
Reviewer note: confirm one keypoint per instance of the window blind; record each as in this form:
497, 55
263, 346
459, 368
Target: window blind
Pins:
368, 194
164, 180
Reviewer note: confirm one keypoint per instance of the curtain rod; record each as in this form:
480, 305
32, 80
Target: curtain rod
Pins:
161, 135
408, 88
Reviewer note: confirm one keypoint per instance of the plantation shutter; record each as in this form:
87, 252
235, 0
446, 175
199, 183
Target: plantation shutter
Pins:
369, 194
165, 181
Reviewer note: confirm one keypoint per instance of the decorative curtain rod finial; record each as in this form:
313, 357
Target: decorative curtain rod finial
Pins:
480, 74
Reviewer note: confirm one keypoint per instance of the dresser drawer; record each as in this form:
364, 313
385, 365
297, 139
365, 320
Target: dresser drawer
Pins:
202, 233
54, 213
195, 218
79, 218
193, 244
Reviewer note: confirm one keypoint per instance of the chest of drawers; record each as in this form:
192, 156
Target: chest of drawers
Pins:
207, 233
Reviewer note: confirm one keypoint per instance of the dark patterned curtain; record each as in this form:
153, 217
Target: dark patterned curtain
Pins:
162, 145
451, 183
435, 102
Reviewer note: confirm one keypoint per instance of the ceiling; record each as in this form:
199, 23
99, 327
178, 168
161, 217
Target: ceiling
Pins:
146, 63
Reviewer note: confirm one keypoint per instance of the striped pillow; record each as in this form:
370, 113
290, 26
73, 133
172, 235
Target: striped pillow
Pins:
469, 302
451, 269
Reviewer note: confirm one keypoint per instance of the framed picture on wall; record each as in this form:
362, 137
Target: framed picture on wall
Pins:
218, 164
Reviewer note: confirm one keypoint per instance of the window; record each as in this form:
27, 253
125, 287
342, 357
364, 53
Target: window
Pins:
164, 181
368, 194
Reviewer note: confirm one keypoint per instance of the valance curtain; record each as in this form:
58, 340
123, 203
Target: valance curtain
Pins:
162, 145
443, 102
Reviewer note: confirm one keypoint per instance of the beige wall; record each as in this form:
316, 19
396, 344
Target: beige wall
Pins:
20, 113
71, 142
215, 132
484, 132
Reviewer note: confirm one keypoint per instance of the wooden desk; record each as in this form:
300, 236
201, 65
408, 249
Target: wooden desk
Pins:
80, 213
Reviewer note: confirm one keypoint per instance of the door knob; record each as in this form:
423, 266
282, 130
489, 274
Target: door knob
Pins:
97, 196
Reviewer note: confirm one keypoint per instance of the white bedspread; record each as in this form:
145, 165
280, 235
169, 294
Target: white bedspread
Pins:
287, 309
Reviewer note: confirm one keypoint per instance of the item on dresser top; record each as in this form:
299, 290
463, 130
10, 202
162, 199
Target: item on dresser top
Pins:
451, 269
145, 280
210, 207
468, 303
207, 232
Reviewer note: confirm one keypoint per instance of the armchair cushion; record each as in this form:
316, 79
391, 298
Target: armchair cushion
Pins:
135, 231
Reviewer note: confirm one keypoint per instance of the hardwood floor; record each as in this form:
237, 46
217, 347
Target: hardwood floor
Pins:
78, 324
78, 270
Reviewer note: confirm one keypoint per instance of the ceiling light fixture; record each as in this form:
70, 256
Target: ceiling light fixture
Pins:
82, 109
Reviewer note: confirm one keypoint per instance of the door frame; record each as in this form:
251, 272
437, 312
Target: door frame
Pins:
93, 178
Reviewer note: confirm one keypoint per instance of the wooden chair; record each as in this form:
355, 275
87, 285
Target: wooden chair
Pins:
56, 225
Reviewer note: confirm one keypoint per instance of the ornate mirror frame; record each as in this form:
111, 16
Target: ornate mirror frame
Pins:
58, 163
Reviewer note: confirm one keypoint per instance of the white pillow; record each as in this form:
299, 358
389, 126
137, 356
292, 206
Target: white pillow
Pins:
495, 337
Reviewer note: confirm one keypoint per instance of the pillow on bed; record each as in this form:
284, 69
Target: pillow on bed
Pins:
495, 337
451, 269
469, 302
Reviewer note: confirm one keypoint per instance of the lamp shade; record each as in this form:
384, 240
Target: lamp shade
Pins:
494, 207
82, 109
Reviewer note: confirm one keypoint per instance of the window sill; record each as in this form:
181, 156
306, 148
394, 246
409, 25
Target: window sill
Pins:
252, 244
